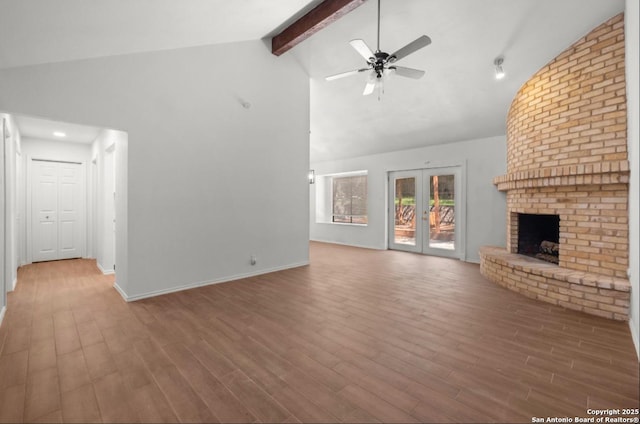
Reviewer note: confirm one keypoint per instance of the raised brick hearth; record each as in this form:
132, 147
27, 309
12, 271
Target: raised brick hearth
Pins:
567, 156
594, 294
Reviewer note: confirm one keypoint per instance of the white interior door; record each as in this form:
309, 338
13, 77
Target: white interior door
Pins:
70, 202
57, 210
425, 211
45, 211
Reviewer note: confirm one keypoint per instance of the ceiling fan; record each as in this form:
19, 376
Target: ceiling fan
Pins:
381, 64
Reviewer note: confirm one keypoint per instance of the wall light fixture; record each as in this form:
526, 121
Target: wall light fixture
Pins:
499, 70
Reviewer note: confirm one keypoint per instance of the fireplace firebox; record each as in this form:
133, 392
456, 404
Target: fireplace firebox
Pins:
538, 236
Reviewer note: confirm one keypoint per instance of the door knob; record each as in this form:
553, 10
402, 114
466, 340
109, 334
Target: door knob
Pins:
47, 217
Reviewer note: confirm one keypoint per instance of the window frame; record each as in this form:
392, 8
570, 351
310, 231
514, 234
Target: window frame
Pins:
349, 217
324, 205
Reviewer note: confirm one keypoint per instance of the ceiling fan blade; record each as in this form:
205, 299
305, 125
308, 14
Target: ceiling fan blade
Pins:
368, 89
408, 72
361, 47
345, 74
413, 46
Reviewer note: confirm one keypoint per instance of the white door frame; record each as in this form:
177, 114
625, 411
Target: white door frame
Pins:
107, 260
3, 215
20, 223
422, 232
9, 151
28, 217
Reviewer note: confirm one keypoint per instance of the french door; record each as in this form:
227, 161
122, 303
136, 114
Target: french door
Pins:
426, 210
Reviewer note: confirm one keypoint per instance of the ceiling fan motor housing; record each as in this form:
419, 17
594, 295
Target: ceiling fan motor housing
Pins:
379, 62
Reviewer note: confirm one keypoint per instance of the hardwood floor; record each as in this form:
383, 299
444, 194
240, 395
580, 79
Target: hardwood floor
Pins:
357, 336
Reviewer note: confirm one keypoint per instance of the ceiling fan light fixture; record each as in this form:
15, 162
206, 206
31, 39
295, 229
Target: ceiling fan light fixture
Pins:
390, 72
499, 70
379, 63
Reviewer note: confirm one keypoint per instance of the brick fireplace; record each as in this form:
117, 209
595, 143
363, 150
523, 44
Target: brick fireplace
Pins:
567, 163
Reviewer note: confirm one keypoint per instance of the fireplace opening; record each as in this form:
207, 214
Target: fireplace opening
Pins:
539, 236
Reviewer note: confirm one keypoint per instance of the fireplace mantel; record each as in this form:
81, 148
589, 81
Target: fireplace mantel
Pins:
616, 172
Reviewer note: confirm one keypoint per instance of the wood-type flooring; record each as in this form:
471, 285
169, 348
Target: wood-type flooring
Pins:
357, 336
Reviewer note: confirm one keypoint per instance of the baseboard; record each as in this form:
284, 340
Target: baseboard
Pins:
13, 285
2, 311
348, 244
634, 337
105, 271
121, 292
203, 283
468, 260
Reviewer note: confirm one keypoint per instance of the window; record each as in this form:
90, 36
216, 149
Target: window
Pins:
349, 199
341, 198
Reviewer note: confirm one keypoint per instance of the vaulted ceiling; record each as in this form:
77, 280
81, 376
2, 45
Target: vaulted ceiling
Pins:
45, 31
457, 99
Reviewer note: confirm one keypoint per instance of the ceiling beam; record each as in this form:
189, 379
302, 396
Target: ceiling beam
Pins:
319, 17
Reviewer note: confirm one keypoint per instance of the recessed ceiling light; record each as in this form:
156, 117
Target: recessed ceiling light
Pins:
59, 134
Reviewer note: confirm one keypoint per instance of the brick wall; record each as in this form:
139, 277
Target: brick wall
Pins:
573, 111
567, 156
567, 152
593, 224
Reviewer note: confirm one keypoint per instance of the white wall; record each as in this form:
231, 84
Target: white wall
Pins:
11, 148
210, 182
104, 151
632, 37
122, 210
485, 205
55, 150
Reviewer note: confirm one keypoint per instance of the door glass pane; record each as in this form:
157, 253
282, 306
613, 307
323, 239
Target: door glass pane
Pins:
442, 222
405, 211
